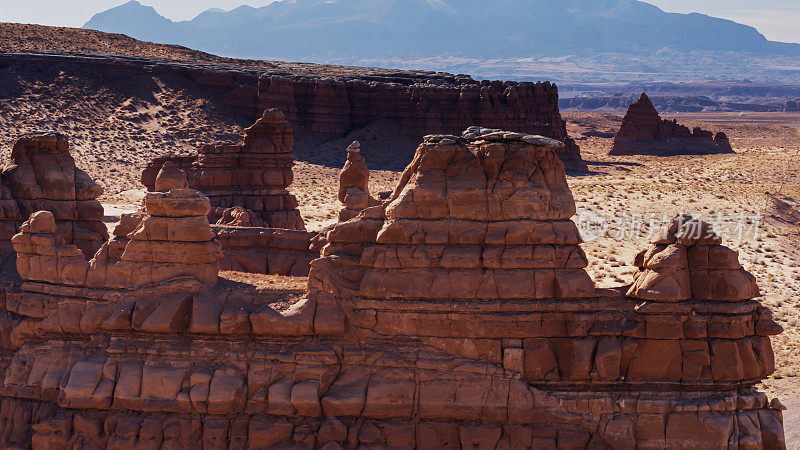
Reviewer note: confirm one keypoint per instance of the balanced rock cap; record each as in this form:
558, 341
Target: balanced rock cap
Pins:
492, 134
171, 177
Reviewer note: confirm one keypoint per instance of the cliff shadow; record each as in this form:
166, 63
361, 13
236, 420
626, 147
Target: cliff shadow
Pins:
384, 146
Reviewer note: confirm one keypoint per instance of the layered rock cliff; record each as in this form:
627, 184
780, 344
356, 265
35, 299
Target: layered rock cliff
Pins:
323, 103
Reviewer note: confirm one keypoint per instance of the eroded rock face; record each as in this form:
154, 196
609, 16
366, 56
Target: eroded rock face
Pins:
482, 217
456, 314
253, 175
644, 132
687, 261
354, 184
256, 218
42, 176
170, 240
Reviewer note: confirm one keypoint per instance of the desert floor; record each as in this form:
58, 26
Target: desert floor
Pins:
752, 195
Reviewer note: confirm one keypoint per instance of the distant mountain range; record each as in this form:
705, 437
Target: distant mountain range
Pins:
566, 40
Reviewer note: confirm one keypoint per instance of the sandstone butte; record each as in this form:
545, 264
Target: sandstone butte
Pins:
457, 313
322, 103
644, 132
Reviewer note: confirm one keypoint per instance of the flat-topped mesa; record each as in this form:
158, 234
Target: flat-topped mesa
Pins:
42, 176
354, 184
687, 261
170, 241
253, 175
482, 216
644, 132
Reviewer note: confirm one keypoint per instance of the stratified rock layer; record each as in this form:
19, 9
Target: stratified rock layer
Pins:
171, 240
457, 314
42, 176
254, 174
644, 132
324, 103
688, 261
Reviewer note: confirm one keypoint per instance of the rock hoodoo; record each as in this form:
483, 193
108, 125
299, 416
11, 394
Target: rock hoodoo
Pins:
643, 131
254, 216
253, 175
687, 261
170, 240
487, 217
456, 314
42, 176
354, 184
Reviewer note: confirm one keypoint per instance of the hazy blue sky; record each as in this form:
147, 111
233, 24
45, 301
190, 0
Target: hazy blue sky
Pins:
777, 19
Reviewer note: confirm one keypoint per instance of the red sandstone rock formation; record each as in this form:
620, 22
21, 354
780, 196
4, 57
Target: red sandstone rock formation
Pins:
254, 174
256, 219
42, 176
644, 132
450, 197
466, 243
172, 240
688, 262
354, 184
457, 314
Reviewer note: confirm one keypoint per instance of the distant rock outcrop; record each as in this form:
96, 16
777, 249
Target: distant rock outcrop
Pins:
644, 132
